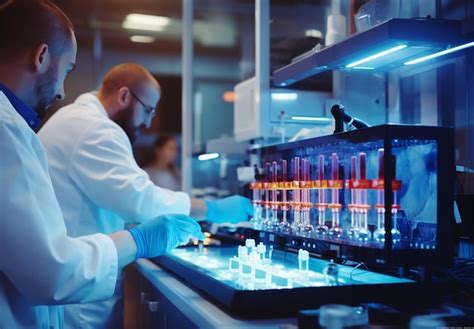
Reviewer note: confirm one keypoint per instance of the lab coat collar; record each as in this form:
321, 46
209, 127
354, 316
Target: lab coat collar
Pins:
91, 100
27, 113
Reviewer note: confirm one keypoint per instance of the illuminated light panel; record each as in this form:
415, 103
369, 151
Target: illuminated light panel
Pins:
147, 19
133, 26
313, 33
145, 22
362, 68
284, 96
208, 156
314, 119
142, 38
375, 56
440, 53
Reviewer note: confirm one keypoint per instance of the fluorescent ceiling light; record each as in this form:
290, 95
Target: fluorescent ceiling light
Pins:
314, 119
147, 19
362, 68
145, 22
284, 96
440, 53
208, 156
313, 33
142, 38
375, 56
133, 26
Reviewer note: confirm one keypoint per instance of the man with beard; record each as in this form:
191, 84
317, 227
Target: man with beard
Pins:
39, 264
99, 185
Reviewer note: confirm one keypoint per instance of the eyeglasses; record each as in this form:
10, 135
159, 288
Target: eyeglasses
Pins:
149, 110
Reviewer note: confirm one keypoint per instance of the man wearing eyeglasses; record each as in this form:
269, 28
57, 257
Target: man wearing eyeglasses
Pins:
97, 181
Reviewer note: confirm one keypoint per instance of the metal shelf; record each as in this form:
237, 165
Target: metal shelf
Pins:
419, 36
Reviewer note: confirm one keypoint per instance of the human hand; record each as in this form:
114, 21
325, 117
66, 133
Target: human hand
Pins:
232, 209
164, 233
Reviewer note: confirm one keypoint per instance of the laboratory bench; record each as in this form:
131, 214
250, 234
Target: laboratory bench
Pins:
155, 298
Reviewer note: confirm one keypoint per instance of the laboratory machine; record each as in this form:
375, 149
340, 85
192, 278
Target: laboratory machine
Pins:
326, 210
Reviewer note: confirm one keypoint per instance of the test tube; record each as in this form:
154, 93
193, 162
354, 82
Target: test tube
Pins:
306, 222
336, 230
296, 195
379, 233
303, 260
256, 220
396, 235
261, 249
353, 231
284, 225
266, 222
362, 202
273, 224
321, 228
331, 274
250, 245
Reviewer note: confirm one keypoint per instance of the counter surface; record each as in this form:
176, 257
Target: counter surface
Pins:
202, 312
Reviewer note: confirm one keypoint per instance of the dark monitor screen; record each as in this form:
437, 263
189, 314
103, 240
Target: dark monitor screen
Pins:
465, 205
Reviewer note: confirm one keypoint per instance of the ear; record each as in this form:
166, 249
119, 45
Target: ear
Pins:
124, 97
41, 58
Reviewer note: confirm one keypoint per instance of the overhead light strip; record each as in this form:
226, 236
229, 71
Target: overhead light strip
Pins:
375, 56
314, 119
145, 22
284, 96
142, 38
208, 156
440, 53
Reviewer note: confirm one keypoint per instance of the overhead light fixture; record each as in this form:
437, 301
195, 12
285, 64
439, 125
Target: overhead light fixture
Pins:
145, 22
390, 45
313, 33
284, 96
313, 119
362, 68
142, 38
375, 56
440, 53
208, 156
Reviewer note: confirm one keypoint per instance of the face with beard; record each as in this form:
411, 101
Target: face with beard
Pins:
140, 111
45, 89
125, 120
49, 84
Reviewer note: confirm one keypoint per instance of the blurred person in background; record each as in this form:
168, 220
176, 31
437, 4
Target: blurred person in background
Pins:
98, 183
163, 171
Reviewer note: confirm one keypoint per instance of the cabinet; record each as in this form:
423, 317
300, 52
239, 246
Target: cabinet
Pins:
146, 307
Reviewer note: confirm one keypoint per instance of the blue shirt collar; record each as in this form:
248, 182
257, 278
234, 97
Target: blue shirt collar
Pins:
28, 114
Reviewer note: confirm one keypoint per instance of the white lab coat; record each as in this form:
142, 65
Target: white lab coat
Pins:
99, 185
39, 263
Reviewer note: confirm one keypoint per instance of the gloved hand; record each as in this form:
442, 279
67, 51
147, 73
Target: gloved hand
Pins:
158, 236
232, 209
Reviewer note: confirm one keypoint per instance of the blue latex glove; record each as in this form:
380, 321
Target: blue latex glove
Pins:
232, 209
164, 233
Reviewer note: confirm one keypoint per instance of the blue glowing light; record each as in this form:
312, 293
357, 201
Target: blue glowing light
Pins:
375, 56
284, 96
440, 53
313, 119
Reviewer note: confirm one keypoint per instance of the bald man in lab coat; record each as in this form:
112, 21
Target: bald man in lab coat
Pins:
99, 185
